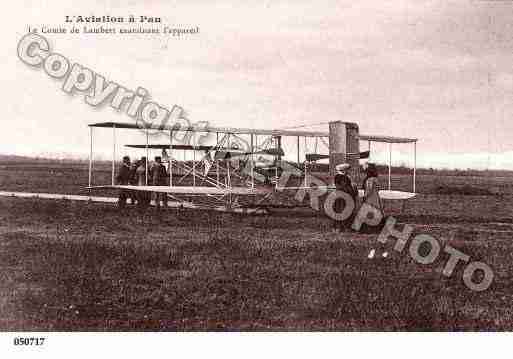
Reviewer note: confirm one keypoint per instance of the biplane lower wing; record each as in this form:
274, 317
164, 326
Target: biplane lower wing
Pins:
177, 147
389, 194
383, 194
189, 189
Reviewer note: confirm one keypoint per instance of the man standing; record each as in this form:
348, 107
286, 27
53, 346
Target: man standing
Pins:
143, 197
133, 181
123, 178
140, 172
371, 198
159, 177
343, 183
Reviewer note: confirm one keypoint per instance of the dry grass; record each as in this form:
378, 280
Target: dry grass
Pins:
71, 266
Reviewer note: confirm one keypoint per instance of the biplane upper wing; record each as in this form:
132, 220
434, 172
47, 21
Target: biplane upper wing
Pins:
192, 128
247, 131
386, 139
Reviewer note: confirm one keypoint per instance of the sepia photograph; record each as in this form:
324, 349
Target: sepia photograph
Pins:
276, 167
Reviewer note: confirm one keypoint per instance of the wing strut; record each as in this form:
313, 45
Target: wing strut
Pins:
252, 162
414, 164
113, 154
90, 156
147, 155
389, 166
171, 158
217, 161
194, 160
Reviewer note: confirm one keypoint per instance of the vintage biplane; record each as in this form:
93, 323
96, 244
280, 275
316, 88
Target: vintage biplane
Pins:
242, 169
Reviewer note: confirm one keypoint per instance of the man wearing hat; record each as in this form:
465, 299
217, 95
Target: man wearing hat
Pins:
123, 179
343, 183
143, 199
159, 177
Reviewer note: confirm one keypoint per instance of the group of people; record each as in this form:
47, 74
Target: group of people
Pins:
138, 174
371, 195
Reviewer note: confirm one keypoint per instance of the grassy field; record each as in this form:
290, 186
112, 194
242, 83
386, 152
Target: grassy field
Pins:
85, 266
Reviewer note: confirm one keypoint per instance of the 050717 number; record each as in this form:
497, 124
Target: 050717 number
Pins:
29, 341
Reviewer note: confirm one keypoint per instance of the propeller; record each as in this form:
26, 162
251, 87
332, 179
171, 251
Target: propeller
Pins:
312, 157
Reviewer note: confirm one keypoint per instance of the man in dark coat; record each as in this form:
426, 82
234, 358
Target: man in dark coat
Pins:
133, 181
143, 197
159, 177
123, 178
343, 183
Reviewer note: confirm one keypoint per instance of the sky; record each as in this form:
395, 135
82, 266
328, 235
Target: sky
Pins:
439, 71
